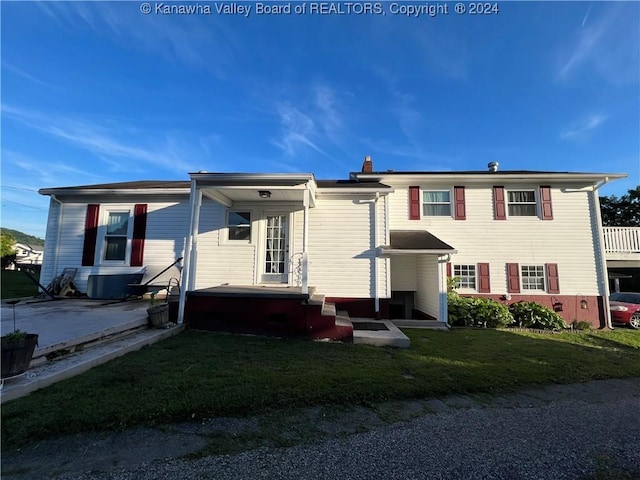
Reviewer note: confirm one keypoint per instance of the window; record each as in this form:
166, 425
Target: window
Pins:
465, 275
436, 203
522, 203
115, 240
239, 226
532, 277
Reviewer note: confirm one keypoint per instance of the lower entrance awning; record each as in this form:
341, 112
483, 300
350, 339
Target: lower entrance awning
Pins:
416, 241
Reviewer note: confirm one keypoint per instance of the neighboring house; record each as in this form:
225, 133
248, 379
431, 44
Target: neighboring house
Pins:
380, 244
26, 255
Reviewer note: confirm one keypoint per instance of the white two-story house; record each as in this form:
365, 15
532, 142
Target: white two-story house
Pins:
377, 244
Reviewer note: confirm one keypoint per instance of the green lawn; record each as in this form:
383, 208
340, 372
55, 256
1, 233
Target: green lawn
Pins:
197, 375
16, 284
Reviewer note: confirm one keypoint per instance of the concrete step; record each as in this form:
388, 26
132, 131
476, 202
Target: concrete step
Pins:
316, 299
343, 320
81, 361
428, 324
328, 310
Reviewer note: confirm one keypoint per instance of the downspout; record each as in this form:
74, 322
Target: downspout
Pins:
58, 235
187, 256
376, 296
603, 260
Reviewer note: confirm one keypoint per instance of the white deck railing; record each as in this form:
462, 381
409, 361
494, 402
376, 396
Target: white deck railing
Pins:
621, 239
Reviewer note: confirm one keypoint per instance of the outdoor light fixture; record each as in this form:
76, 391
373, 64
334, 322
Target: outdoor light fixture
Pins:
584, 305
264, 194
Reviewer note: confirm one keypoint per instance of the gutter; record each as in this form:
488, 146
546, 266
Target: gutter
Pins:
603, 260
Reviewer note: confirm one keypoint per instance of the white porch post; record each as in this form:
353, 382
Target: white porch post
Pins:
305, 240
376, 295
194, 211
194, 239
442, 289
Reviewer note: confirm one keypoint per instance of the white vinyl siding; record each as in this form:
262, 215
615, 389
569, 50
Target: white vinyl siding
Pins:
567, 241
167, 224
427, 298
221, 261
403, 273
342, 250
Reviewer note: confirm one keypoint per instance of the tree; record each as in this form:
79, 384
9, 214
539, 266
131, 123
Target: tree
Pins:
623, 211
7, 245
7, 249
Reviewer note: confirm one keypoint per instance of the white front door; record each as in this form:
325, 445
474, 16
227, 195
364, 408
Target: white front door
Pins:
276, 249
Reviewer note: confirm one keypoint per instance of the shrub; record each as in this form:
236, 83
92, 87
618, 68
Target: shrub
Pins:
581, 325
534, 315
477, 312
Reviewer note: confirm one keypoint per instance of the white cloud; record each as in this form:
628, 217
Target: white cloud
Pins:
583, 127
607, 42
165, 150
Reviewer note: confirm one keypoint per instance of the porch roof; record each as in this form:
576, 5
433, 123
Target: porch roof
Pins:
230, 188
416, 241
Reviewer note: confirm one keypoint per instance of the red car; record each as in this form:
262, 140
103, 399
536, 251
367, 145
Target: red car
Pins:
625, 308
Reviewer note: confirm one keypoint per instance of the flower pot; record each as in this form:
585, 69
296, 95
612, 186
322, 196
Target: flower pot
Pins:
17, 354
158, 315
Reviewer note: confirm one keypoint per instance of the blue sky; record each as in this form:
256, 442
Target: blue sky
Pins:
97, 92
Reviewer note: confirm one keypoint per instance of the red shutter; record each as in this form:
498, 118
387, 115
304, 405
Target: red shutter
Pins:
499, 211
458, 196
484, 285
513, 278
449, 273
414, 203
90, 235
545, 196
139, 231
553, 283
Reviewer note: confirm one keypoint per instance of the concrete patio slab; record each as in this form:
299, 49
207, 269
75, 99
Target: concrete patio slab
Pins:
101, 330
392, 336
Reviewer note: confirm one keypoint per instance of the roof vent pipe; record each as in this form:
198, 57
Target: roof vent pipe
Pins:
493, 166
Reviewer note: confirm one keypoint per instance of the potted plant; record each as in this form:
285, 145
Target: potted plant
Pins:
158, 313
17, 349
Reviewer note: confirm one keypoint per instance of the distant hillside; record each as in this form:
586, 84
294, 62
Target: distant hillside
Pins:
23, 237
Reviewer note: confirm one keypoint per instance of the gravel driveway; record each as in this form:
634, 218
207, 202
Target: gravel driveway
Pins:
580, 431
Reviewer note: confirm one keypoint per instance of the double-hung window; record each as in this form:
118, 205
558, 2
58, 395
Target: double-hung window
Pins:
465, 276
116, 234
522, 203
436, 203
532, 277
239, 226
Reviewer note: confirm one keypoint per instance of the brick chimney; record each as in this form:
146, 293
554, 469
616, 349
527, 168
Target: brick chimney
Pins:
367, 165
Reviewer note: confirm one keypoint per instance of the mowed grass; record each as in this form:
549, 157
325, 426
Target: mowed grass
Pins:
197, 375
15, 284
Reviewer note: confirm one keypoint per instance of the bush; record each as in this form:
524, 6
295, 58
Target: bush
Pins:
534, 315
477, 312
581, 325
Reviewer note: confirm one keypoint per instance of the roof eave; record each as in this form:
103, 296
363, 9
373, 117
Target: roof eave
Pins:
112, 191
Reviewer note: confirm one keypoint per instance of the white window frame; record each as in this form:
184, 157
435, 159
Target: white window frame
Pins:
536, 197
537, 267
102, 235
225, 233
459, 275
423, 203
